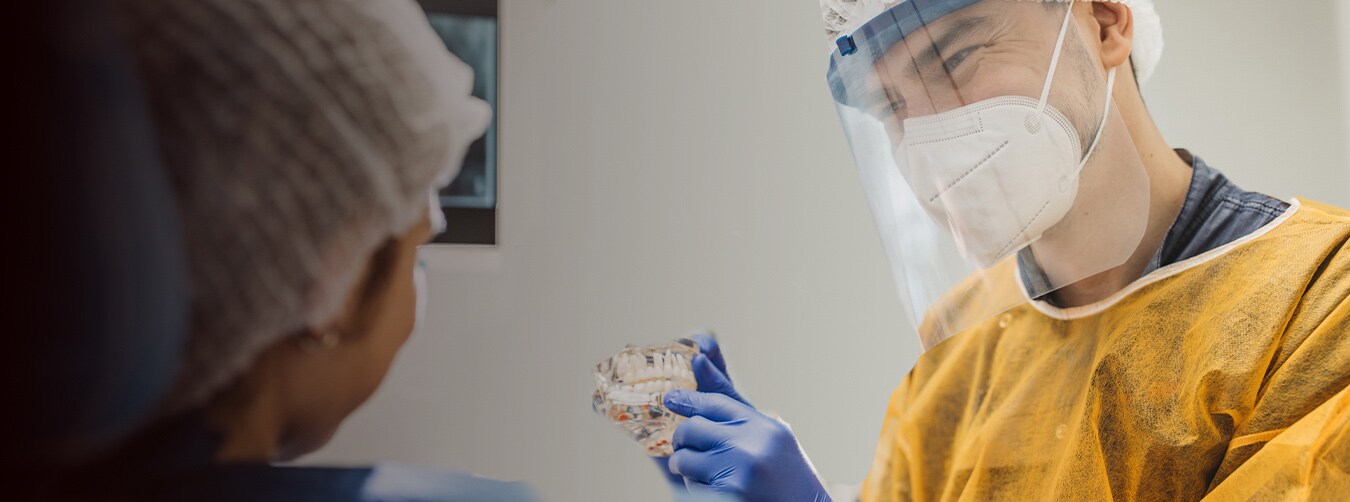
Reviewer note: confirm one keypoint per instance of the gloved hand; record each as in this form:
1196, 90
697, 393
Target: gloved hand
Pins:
710, 370
727, 447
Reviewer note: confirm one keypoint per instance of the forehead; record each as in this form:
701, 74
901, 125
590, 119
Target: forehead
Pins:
913, 18
1015, 18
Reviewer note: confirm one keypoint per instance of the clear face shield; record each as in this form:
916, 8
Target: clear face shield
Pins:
992, 155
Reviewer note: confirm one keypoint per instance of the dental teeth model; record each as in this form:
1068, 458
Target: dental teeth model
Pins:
630, 387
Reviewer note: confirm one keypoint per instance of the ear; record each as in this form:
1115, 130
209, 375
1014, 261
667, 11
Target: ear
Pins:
1115, 33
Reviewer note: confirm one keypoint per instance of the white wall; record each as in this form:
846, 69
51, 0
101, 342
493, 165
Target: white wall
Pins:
1343, 6
673, 165
1260, 91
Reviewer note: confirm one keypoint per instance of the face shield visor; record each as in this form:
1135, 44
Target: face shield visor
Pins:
991, 154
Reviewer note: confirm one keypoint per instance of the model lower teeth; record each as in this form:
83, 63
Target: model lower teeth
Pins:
631, 385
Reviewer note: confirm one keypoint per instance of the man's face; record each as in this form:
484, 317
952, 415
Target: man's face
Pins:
990, 49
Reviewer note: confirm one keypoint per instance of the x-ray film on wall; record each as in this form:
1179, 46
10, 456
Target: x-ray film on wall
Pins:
469, 30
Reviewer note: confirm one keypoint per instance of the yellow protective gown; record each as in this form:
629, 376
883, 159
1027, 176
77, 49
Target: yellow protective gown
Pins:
1221, 377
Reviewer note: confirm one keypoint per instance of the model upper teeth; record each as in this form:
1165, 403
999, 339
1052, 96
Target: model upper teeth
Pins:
630, 388
656, 372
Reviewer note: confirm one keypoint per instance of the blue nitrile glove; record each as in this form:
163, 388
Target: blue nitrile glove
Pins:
727, 447
710, 370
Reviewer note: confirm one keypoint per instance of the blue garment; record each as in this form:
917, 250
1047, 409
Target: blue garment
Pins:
175, 462
1216, 212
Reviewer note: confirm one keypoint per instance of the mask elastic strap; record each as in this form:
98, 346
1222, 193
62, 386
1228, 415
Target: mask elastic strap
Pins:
1050, 79
1106, 113
1054, 63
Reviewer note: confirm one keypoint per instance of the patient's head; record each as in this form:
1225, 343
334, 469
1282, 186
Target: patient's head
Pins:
304, 141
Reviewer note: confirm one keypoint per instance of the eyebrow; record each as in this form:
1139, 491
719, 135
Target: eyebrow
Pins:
931, 53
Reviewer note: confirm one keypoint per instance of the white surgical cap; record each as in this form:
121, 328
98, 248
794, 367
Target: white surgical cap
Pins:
299, 136
844, 16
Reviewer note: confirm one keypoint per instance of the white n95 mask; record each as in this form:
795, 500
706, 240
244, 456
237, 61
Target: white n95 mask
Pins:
420, 289
1001, 171
990, 177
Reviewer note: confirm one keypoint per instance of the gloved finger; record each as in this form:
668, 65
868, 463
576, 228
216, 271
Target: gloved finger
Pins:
702, 491
715, 407
698, 434
693, 465
710, 379
663, 464
707, 345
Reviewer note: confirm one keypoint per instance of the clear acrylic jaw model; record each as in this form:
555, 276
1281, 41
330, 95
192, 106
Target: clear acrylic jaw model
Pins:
630, 387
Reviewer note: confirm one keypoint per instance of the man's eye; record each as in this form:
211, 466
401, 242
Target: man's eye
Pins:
887, 109
952, 62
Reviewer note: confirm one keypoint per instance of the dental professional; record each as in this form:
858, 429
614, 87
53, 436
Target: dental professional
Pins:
305, 142
1104, 317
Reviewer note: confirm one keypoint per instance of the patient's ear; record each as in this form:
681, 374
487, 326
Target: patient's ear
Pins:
1115, 32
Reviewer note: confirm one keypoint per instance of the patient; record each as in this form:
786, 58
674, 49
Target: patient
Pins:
305, 141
